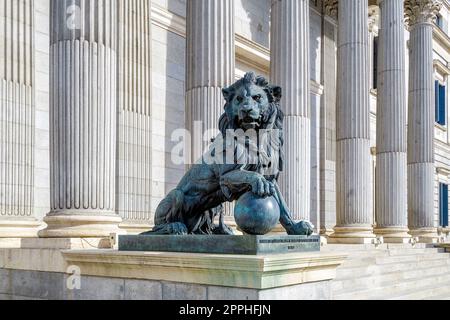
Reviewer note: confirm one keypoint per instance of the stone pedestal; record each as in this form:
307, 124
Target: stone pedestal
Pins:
290, 70
391, 173
421, 118
83, 121
353, 163
113, 275
244, 244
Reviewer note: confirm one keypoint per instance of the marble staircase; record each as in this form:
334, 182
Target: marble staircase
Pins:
392, 272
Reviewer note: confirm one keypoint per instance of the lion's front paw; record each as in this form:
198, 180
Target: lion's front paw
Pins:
262, 187
302, 228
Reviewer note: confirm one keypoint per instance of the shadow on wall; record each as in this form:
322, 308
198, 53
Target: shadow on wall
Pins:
258, 12
177, 6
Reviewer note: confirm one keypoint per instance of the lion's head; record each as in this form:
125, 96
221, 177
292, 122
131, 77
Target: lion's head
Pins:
251, 103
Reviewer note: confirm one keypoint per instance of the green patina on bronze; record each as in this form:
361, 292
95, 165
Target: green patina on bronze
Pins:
252, 104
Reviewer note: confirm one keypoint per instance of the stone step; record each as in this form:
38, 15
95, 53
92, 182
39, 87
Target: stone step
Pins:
412, 258
371, 247
344, 273
380, 279
393, 290
355, 261
405, 252
426, 293
442, 296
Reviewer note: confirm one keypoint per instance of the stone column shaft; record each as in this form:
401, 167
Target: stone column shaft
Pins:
421, 118
391, 172
290, 70
353, 167
17, 116
328, 125
83, 119
210, 67
134, 136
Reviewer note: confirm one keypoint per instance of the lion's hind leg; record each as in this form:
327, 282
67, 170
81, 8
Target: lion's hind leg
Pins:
175, 228
168, 216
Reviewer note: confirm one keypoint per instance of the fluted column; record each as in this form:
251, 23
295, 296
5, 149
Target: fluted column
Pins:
83, 119
353, 168
17, 119
210, 67
391, 173
134, 136
328, 120
290, 70
421, 170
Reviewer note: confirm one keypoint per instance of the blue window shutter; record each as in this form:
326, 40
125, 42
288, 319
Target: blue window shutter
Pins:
436, 98
443, 205
442, 119
439, 21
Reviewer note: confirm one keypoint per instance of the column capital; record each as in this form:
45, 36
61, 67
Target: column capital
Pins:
330, 8
421, 11
374, 18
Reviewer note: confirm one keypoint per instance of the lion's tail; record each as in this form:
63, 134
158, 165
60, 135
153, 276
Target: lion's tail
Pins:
170, 208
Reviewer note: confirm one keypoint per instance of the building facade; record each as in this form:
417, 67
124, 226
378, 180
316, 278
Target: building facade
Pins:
92, 91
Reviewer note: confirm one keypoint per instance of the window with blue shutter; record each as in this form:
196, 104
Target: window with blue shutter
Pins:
443, 205
440, 93
439, 21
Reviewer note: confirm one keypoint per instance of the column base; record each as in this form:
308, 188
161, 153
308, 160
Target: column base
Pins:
352, 235
393, 234
326, 232
81, 226
425, 235
19, 228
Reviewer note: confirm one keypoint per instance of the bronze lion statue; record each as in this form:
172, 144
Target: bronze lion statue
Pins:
251, 104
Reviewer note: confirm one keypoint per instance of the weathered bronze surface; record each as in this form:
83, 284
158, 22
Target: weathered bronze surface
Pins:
252, 104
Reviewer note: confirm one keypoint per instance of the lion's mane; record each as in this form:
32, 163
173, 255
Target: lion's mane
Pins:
269, 121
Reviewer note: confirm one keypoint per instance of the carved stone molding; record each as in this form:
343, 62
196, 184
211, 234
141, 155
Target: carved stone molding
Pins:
330, 8
421, 11
374, 18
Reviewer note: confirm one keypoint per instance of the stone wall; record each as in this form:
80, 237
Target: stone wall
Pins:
23, 284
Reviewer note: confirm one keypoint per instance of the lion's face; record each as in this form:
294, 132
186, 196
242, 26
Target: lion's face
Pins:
248, 107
